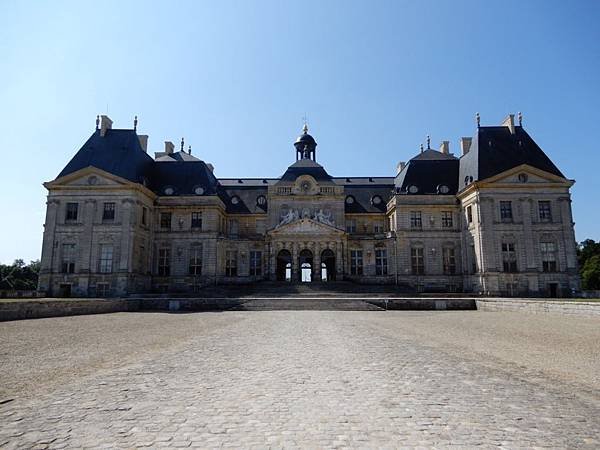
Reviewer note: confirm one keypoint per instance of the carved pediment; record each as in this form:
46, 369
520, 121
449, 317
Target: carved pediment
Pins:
305, 226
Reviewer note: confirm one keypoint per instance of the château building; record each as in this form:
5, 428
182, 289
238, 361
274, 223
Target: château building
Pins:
496, 220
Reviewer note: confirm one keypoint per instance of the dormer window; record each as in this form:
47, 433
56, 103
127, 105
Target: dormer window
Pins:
376, 200
198, 190
261, 200
169, 190
349, 200
443, 189
413, 189
235, 200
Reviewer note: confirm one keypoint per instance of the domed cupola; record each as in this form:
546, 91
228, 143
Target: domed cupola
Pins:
305, 145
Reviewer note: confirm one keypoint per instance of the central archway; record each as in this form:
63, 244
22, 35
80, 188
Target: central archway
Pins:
284, 266
327, 265
305, 262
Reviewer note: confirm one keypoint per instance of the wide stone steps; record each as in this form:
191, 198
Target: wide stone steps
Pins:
304, 304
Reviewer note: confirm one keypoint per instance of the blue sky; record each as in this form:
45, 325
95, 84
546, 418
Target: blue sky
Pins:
236, 78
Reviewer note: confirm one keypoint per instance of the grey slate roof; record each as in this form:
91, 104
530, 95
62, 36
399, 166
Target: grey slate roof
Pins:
428, 171
306, 167
118, 152
495, 150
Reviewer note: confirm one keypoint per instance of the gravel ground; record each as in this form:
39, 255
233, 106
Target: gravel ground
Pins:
317, 379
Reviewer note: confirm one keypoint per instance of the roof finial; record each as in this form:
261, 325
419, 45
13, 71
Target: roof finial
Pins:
135, 123
305, 126
478, 119
421, 146
189, 150
428, 143
182, 144
97, 121
520, 117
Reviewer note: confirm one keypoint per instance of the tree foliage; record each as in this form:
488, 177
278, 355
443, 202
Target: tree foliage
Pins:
19, 276
588, 254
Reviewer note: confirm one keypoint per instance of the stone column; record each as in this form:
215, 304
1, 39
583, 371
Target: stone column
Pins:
295, 265
339, 260
317, 261
86, 241
570, 244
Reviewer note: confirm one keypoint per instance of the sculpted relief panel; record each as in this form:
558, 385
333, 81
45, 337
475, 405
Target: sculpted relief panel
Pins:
289, 215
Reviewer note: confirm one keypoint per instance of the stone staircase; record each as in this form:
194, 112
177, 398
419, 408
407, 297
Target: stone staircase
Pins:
305, 304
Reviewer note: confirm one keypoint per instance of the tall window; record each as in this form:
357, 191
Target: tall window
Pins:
256, 263
417, 260
351, 226
106, 258
234, 227
144, 215
509, 257
548, 250
165, 220
356, 262
506, 214
231, 263
68, 258
415, 219
197, 220
71, 213
449, 260
469, 214
545, 211
381, 267
377, 227
108, 213
102, 289
164, 262
195, 260
447, 219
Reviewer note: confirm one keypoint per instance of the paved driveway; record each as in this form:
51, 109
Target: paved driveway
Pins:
301, 379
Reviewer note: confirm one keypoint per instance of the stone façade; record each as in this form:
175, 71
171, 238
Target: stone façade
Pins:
495, 221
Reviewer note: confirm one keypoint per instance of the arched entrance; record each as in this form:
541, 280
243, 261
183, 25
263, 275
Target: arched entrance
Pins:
305, 262
284, 266
327, 265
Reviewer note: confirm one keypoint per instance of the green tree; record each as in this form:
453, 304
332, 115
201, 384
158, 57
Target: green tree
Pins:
19, 276
590, 273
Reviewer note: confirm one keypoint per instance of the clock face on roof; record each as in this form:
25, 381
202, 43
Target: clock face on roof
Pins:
305, 186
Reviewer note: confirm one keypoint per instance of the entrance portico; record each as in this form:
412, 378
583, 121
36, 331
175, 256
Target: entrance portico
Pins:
306, 251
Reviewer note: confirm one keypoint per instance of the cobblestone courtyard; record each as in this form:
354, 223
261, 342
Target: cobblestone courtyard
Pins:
301, 379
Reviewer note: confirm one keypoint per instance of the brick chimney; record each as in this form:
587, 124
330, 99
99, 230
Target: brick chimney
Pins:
169, 147
445, 147
510, 123
143, 141
105, 124
465, 144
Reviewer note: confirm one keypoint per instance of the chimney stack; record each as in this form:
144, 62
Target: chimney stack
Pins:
465, 144
445, 147
169, 147
400, 167
143, 141
510, 123
105, 124
210, 167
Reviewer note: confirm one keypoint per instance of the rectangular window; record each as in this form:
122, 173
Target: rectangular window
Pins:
231, 263
102, 289
449, 260
234, 227
68, 258
356, 262
165, 220
108, 213
106, 258
548, 250
197, 220
351, 226
195, 260
469, 214
256, 263
509, 257
71, 213
506, 214
164, 261
417, 261
144, 215
447, 219
378, 227
415, 220
381, 267
545, 211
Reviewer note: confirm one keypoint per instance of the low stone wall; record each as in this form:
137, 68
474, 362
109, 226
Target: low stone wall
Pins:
425, 304
186, 304
539, 306
36, 309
